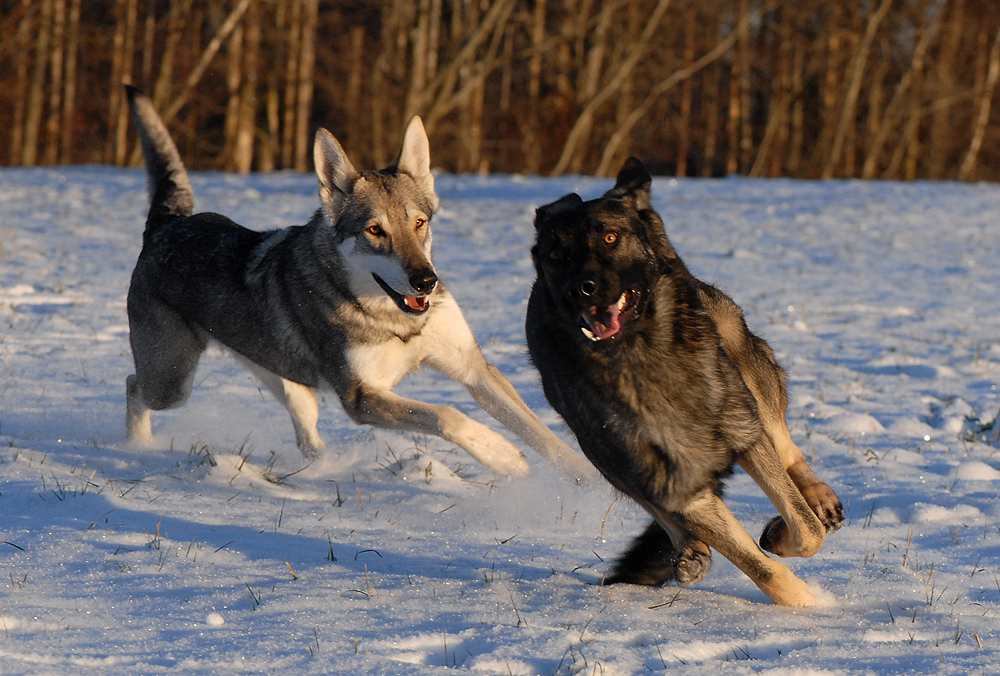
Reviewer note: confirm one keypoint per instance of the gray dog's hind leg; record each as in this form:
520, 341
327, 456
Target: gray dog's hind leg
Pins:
166, 350
138, 429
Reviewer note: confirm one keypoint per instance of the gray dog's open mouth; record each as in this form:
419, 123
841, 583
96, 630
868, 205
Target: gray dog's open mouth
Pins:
413, 305
602, 323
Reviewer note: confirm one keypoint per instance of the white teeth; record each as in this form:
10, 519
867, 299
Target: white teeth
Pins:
622, 301
590, 334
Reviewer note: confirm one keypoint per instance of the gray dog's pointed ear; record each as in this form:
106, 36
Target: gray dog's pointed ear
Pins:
561, 206
415, 159
335, 172
633, 181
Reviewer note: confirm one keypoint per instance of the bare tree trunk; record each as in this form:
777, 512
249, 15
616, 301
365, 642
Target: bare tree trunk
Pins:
69, 92
117, 63
712, 85
469, 68
944, 75
876, 99
965, 172
471, 112
307, 64
626, 95
21, 91
786, 33
35, 101
905, 148
684, 123
434, 39
615, 81
291, 83
507, 71
352, 96
234, 74
207, 55
128, 51
247, 122
148, 42
380, 89
55, 82
773, 124
797, 123
625, 127
743, 54
733, 126
590, 75
850, 99
271, 148
891, 114
531, 146
418, 69
179, 10
913, 132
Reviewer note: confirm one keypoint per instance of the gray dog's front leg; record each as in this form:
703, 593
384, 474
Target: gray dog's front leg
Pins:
383, 408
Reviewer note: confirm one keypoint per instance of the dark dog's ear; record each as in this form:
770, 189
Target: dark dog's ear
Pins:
561, 206
633, 181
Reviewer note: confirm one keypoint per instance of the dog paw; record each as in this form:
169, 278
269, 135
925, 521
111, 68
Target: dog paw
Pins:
825, 505
491, 449
651, 561
693, 564
774, 535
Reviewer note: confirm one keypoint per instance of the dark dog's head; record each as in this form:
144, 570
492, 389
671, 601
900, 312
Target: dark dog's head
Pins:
598, 259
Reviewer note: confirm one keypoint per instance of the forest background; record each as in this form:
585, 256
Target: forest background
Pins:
898, 89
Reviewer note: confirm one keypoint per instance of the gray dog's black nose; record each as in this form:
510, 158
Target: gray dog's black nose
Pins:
423, 281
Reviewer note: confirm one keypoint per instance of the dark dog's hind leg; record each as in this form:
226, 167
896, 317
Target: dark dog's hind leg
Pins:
653, 560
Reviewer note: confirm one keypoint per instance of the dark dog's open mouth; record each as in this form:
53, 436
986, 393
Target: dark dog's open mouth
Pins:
413, 305
602, 323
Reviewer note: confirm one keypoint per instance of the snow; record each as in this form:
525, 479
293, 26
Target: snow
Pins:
212, 553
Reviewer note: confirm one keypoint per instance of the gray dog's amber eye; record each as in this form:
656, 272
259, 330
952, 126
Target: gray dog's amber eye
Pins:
375, 231
610, 237
421, 222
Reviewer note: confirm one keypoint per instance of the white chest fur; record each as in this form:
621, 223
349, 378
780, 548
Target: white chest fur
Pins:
383, 365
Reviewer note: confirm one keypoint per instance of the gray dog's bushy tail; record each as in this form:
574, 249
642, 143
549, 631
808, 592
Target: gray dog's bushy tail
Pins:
170, 193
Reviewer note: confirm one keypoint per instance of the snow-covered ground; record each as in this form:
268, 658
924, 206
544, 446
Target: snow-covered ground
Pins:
212, 554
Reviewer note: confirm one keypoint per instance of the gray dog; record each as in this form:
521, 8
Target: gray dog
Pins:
349, 301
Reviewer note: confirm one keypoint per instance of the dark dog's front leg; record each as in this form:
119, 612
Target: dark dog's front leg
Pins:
799, 531
383, 408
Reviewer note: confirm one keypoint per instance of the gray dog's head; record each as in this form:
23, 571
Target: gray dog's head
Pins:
381, 219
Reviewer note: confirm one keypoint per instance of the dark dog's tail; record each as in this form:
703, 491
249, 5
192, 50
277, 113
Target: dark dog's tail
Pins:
170, 193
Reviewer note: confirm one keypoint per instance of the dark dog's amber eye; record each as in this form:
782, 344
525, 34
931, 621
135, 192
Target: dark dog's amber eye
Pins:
375, 231
610, 237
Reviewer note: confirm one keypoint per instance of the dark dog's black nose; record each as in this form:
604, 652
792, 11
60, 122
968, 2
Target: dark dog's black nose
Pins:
423, 281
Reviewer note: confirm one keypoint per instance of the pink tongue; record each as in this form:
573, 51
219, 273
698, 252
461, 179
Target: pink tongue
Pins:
416, 302
607, 325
